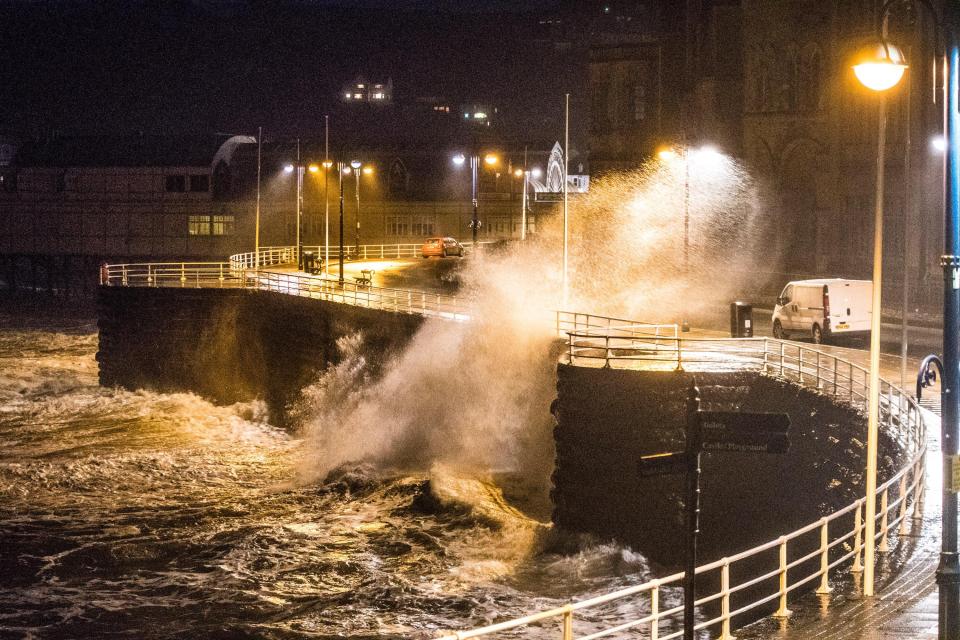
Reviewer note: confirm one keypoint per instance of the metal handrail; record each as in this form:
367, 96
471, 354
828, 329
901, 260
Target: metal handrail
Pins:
272, 256
788, 361
224, 275
579, 323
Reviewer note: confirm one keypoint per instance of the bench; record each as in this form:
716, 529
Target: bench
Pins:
365, 278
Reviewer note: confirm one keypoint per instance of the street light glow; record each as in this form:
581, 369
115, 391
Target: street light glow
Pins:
879, 66
459, 159
355, 164
346, 171
288, 168
536, 173
491, 159
938, 144
367, 170
518, 172
327, 164
666, 153
313, 168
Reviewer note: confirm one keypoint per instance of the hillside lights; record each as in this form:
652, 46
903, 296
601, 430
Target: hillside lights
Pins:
879, 66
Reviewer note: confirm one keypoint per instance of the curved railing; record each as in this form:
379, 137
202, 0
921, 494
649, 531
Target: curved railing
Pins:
826, 542
221, 275
272, 256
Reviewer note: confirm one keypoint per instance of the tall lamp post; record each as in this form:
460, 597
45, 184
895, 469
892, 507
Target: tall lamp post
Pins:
880, 67
341, 169
290, 168
459, 160
356, 164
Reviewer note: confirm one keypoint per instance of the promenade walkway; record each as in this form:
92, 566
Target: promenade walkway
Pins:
905, 602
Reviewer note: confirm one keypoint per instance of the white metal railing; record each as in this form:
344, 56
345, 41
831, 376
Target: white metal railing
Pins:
272, 256
362, 295
828, 543
223, 275
171, 274
571, 322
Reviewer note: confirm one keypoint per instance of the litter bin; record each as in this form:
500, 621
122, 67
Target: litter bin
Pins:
741, 320
309, 261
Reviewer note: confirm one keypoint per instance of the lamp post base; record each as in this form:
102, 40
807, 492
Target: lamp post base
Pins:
684, 326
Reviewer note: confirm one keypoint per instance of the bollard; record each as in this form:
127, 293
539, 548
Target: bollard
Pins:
568, 623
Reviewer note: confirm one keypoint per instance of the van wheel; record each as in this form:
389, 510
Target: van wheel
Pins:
816, 334
778, 331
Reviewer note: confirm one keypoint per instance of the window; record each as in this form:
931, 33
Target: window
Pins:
198, 225
177, 184
199, 183
398, 226
423, 226
223, 225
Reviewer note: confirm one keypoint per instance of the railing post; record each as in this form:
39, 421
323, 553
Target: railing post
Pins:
824, 587
568, 623
857, 537
725, 602
606, 341
883, 547
679, 356
919, 474
766, 348
570, 340
818, 370
902, 513
834, 376
782, 611
850, 382
781, 358
800, 365
655, 610
183, 275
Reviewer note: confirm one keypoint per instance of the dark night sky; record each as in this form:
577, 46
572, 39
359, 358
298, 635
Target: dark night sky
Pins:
199, 66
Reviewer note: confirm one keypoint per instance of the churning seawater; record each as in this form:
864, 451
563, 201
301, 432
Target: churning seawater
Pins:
148, 515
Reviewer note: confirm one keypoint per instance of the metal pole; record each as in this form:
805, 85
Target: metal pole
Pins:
357, 235
874, 383
340, 175
299, 202
684, 323
948, 570
692, 500
256, 233
326, 195
907, 223
566, 173
523, 209
474, 161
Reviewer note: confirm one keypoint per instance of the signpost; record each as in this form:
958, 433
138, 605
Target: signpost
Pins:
711, 431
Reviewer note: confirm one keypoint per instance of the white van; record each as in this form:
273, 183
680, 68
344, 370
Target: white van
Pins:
823, 308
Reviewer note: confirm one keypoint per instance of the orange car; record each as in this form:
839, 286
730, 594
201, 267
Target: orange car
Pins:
442, 247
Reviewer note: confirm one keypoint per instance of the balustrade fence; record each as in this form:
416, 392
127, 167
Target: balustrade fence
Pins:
828, 544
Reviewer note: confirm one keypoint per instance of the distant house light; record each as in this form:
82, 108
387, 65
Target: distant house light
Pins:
358, 96
466, 115
347, 96
377, 96
359, 86
479, 115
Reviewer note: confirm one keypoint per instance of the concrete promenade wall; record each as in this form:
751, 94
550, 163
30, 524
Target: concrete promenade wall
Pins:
232, 345
608, 418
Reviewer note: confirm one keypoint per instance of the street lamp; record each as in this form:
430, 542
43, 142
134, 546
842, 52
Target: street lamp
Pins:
881, 70
355, 165
290, 168
686, 155
489, 159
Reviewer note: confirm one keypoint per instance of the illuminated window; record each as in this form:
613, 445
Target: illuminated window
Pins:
198, 225
358, 96
378, 96
347, 96
223, 225
359, 86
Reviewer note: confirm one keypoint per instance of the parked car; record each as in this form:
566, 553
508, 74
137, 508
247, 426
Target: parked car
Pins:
823, 308
442, 247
